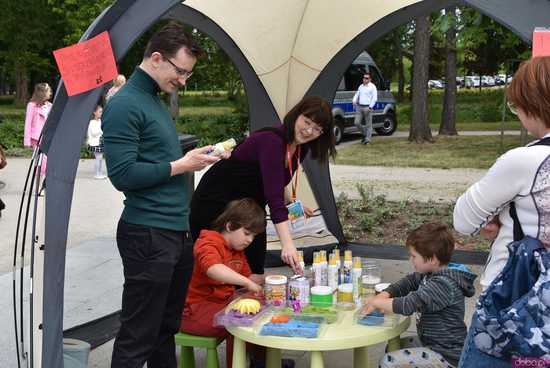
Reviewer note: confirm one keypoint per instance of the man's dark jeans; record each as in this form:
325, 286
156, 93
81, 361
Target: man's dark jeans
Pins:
157, 269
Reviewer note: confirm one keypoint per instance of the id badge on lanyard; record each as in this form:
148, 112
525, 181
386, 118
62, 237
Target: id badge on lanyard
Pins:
296, 214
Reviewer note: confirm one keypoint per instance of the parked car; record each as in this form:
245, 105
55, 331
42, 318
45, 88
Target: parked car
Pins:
384, 120
471, 81
436, 83
487, 81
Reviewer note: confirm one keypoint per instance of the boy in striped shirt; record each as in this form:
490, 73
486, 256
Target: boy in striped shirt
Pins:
436, 292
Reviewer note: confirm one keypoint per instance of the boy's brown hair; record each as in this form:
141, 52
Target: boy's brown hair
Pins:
241, 213
432, 239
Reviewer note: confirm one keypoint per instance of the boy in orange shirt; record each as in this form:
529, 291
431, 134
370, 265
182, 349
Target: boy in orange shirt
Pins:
220, 264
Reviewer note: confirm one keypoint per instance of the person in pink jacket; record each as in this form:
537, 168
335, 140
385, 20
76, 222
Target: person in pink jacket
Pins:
38, 109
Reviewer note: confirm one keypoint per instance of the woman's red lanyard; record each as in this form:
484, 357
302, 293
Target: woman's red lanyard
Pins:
289, 160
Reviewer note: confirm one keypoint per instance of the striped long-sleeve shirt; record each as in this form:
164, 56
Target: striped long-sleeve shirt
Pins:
439, 299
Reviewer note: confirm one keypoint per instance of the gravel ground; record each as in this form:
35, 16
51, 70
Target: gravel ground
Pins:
399, 183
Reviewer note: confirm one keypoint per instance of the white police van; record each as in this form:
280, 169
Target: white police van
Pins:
384, 119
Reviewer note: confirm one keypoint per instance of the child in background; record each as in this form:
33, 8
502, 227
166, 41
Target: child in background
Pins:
436, 291
220, 264
95, 142
37, 112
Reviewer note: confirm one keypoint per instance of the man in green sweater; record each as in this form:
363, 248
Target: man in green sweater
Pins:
145, 162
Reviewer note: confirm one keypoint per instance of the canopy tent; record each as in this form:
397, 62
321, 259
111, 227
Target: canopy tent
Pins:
283, 49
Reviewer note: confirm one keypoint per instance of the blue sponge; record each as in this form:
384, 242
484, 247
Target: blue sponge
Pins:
291, 328
374, 318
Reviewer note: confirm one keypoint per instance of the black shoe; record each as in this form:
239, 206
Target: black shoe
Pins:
364, 141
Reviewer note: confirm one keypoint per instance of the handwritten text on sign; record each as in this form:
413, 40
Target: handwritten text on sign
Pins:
87, 64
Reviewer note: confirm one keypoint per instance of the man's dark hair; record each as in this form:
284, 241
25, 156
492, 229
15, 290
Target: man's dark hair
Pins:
432, 239
241, 213
169, 39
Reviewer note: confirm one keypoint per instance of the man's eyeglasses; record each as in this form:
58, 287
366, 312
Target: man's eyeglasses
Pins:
512, 107
182, 73
313, 126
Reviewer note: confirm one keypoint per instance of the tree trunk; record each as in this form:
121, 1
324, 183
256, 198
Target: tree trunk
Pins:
448, 116
21, 85
420, 126
174, 105
400, 71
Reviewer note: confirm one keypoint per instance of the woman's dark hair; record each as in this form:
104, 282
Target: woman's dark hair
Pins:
241, 213
169, 39
318, 110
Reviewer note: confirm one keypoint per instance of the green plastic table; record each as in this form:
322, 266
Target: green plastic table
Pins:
343, 334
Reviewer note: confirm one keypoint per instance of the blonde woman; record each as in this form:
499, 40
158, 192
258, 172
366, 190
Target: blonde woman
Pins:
118, 82
38, 109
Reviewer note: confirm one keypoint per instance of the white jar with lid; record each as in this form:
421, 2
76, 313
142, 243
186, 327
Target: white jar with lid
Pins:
275, 290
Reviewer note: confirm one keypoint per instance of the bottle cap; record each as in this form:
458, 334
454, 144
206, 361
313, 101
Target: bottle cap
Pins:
356, 262
315, 257
300, 256
332, 259
275, 279
347, 255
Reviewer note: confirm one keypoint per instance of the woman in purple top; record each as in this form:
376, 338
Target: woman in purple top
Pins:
260, 168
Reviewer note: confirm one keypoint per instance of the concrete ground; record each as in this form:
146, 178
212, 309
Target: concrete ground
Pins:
94, 274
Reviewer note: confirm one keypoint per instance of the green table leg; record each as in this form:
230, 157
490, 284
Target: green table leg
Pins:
239, 353
317, 359
273, 358
394, 344
361, 357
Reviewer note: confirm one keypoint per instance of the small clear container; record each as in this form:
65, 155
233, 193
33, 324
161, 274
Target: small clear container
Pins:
312, 313
371, 275
230, 316
277, 323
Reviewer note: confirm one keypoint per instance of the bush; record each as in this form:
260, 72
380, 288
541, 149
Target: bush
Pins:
211, 129
204, 100
7, 100
11, 133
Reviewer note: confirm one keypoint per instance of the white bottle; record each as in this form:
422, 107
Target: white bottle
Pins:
333, 274
222, 147
301, 261
323, 267
316, 270
356, 279
348, 265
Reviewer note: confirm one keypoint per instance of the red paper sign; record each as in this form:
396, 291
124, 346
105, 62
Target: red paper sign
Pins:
541, 42
87, 64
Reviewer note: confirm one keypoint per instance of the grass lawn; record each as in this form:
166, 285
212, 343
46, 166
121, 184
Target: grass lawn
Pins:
469, 126
446, 152
205, 110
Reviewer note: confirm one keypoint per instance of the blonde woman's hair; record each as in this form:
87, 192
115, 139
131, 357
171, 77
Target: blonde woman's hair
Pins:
119, 81
40, 94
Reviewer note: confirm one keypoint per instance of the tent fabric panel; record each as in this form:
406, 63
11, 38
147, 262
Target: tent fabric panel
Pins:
276, 86
260, 109
341, 22
264, 31
300, 78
